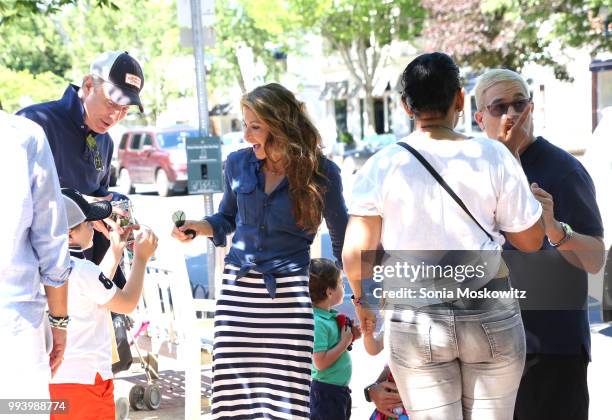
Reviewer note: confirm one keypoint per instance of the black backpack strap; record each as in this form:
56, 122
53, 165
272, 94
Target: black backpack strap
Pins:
441, 181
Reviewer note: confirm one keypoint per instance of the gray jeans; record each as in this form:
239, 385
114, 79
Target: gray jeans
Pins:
457, 364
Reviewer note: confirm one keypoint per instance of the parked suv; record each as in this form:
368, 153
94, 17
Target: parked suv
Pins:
154, 156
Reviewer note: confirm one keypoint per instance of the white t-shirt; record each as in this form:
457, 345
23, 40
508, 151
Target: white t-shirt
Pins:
88, 348
418, 214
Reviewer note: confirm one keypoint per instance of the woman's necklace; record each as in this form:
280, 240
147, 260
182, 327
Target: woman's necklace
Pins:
436, 126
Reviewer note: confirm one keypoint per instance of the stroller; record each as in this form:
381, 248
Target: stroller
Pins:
140, 397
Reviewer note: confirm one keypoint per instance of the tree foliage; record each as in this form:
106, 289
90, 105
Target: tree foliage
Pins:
16, 9
246, 24
18, 88
361, 31
510, 33
65, 42
34, 43
147, 30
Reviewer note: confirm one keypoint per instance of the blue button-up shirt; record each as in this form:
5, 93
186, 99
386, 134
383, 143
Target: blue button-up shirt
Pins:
64, 125
267, 238
34, 229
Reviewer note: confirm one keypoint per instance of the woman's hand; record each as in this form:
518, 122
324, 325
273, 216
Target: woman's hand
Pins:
365, 314
368, 328
385, 396
201, 228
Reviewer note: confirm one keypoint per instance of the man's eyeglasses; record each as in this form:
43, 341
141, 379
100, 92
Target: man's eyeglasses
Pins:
116, 107
105, 88
500, 108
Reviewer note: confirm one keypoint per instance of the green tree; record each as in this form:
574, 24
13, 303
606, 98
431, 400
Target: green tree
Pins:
65, 37
33, 61
360, 31
255, 24
146, 29
18, 88
11, 10
34, 43
510, 33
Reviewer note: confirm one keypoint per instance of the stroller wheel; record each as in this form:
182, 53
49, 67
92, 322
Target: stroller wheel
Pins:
137, 397
122, 408
152, 396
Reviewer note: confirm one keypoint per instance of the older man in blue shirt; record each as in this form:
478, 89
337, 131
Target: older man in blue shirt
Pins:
33, 252
77, 128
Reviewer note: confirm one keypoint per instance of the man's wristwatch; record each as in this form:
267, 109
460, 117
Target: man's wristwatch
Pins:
567, 230
366, 391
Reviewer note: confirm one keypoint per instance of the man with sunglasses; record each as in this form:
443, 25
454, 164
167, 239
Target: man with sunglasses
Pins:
77, 128
554, 384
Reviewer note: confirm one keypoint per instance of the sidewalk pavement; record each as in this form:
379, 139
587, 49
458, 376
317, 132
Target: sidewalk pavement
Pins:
366, 369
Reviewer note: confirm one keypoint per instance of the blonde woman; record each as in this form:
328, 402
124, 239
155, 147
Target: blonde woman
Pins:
276, 194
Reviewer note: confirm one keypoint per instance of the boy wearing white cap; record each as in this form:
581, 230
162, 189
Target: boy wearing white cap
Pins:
84, 379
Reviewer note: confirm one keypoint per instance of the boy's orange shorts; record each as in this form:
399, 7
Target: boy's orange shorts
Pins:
95, 402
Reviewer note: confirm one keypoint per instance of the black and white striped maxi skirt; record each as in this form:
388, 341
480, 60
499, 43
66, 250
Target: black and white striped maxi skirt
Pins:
262, 350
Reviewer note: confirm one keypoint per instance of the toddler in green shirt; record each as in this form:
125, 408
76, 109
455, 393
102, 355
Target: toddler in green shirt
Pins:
330, 396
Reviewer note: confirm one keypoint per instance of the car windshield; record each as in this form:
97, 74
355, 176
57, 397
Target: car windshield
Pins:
174, 139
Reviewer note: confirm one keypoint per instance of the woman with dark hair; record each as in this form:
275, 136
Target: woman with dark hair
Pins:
452, 357
276, 194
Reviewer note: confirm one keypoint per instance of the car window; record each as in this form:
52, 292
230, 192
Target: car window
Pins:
174, 139
123, 141
148, 140
232, 138
135, 142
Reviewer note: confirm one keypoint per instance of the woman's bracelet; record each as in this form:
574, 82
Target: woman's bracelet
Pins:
358, 300
59, 322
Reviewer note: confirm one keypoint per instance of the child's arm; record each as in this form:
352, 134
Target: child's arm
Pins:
324, 359
373, 345
112, 258
126, 299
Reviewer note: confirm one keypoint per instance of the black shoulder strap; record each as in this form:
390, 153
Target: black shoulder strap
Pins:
441, 181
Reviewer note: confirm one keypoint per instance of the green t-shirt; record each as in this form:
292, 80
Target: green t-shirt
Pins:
326, 336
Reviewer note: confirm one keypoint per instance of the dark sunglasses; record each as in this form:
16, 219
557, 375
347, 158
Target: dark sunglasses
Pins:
501, 108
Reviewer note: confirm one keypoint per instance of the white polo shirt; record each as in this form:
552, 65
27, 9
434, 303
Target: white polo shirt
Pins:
418, 214
88, 345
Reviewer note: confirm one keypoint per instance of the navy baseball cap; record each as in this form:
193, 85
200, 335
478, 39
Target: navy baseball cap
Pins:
123, 75
78, 210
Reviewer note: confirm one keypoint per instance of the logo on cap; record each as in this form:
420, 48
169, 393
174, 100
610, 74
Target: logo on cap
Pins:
133, 80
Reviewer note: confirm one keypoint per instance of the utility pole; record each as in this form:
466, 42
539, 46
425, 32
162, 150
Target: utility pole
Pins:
198, 52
